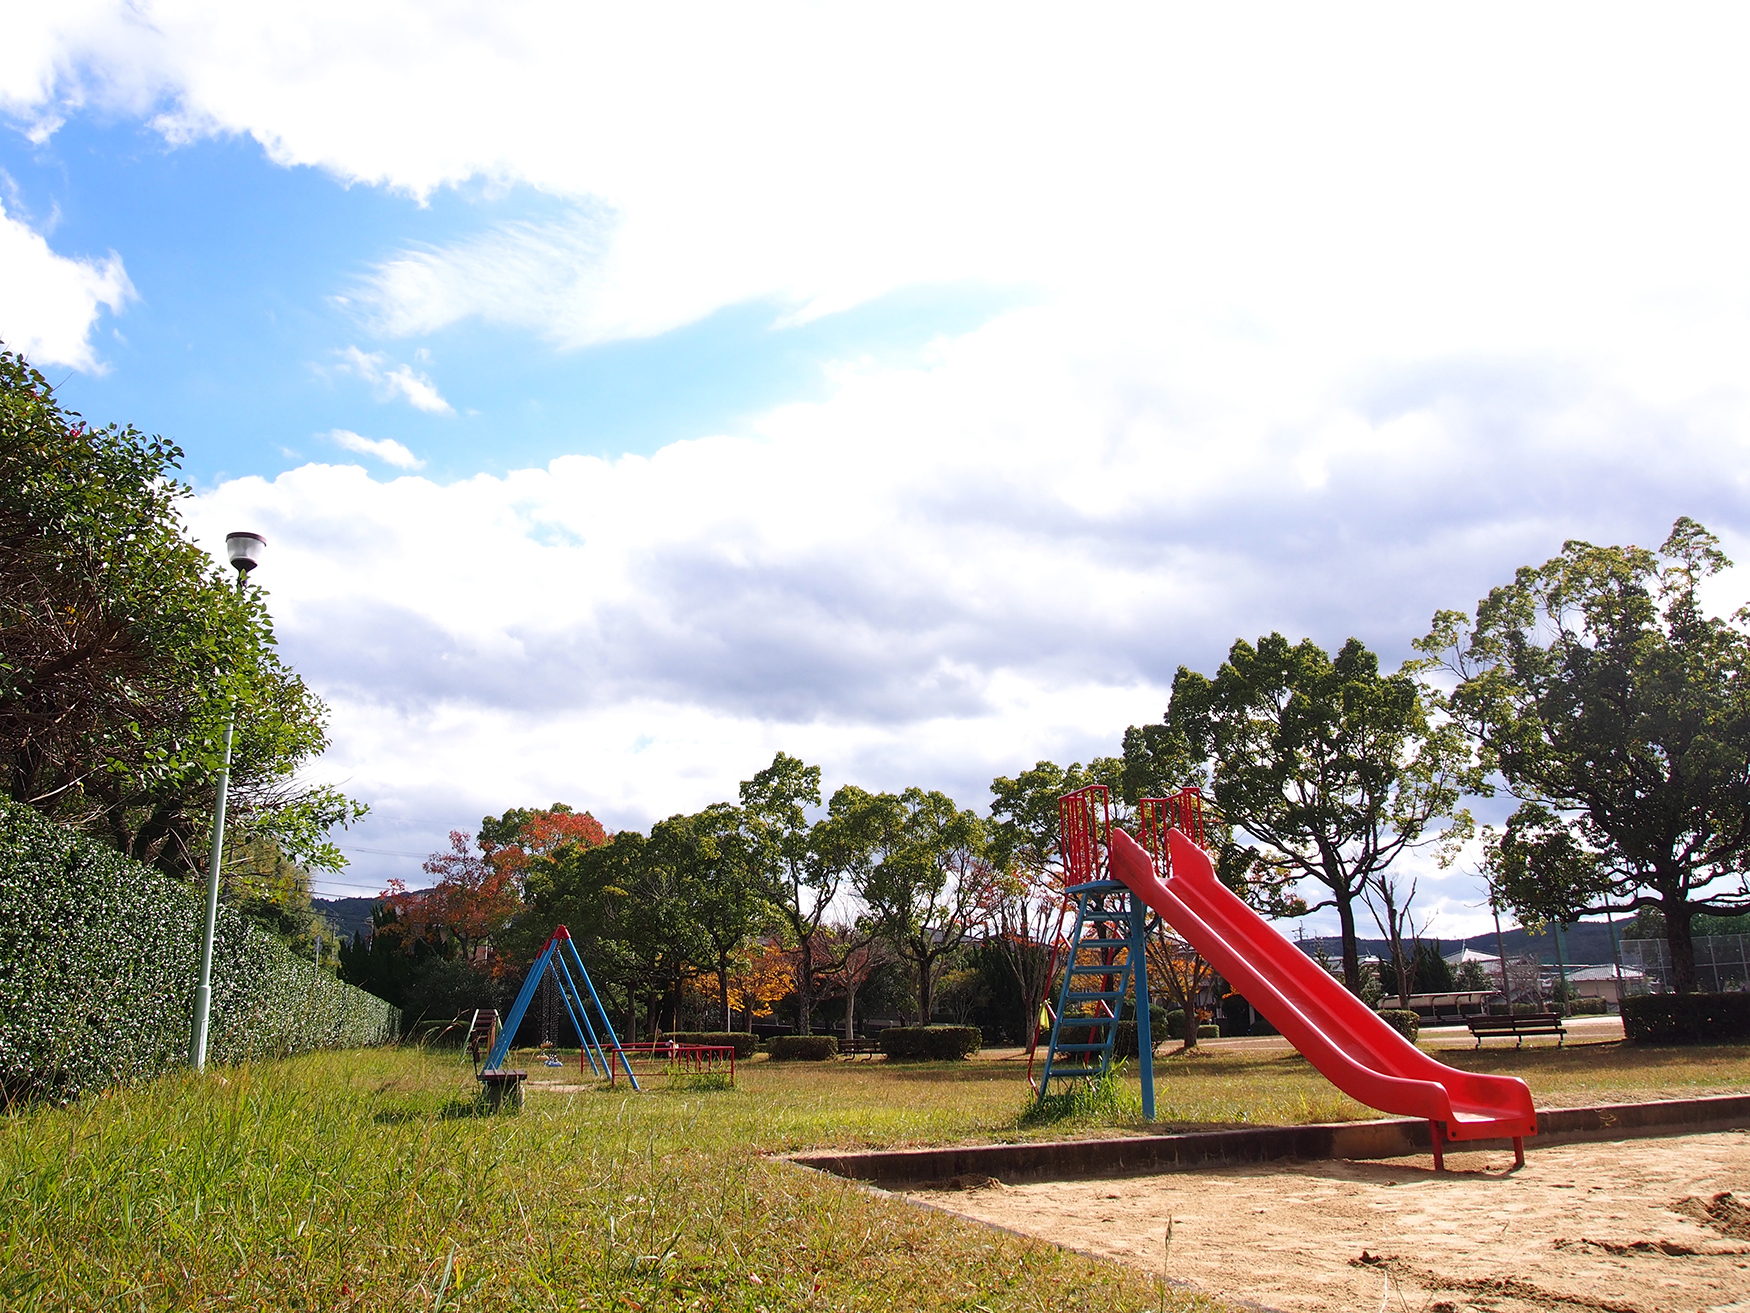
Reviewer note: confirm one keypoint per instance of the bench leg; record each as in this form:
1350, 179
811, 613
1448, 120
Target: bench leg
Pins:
1518, 1152
1439, 1149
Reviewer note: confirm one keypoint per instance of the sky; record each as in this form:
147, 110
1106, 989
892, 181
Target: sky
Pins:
628, 395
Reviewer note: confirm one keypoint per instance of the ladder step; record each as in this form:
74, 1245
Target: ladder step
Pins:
1078, 1048
1095, 996
1085, 1021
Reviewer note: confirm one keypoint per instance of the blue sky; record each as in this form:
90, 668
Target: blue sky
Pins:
241, 268
625, 400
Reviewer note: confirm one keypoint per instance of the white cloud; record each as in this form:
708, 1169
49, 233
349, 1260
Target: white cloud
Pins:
49, 303
936, 576
1340, 314
401, 381
387, 450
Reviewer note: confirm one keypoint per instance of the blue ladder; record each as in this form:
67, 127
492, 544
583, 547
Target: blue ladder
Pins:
1105, 951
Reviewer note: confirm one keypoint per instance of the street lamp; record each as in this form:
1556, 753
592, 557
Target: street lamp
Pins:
244, 552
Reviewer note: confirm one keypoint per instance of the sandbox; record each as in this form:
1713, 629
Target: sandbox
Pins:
1629, 1226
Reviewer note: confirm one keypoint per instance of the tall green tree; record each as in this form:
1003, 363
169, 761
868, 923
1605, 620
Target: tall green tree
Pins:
712, 869
1617, 710
928, 882
1335, 769
801, 881
124, 646
1026, 849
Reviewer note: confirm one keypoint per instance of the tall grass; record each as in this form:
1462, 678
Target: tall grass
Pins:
372, 1180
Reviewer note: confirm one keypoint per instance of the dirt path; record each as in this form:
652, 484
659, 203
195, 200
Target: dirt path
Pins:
1626, 1227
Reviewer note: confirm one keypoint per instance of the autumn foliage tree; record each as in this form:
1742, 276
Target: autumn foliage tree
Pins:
472, 902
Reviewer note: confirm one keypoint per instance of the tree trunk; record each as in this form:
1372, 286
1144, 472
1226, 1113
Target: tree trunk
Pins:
805, 984
850, 1007
1681, 941
925, 1002
1351, 950
1561, 973
723, 991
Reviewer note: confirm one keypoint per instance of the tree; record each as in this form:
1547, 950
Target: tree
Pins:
929, 884
1178, 972
472, 902
1027, 850
711, 871
761, 976
1617, 711
1158, 762
124, 647
802, 868
861, 956
1335, 769
524, 833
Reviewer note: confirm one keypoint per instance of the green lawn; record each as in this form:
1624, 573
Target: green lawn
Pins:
369, 1180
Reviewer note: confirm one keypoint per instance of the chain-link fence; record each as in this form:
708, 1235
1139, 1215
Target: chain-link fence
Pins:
1722, 964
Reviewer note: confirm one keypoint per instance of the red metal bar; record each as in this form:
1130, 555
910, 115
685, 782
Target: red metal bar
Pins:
1084, 818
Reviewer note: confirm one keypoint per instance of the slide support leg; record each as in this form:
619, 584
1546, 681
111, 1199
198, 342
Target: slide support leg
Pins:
1518, 1152
1439, 1149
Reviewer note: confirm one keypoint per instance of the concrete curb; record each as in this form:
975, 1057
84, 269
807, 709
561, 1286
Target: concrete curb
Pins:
1066, 1160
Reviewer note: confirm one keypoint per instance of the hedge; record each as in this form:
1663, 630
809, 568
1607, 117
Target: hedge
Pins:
927, 1042
743, 1042
1402, 1020
1686, 1018
98, 958
805, 1048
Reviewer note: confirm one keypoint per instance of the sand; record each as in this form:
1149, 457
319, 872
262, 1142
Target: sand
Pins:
1636, 1226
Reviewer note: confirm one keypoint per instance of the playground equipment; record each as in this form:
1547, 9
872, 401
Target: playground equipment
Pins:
1338, 1033
559, 957
706, 1065
1104, 960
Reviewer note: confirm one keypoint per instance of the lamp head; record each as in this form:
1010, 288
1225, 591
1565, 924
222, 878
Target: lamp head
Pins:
244, 549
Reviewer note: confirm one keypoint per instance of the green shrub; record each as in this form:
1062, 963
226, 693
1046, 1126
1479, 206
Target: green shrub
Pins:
744, 1044
1588, 1007
1686, 1018
922, 1043
1209, 1030
98, 959
805, 1048
1402, 1020
1125, 1044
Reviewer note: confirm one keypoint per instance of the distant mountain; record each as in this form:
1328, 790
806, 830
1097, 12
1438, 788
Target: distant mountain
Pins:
1587, 943
349, 916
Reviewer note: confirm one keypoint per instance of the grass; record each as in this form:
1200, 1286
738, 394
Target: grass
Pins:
369, 1180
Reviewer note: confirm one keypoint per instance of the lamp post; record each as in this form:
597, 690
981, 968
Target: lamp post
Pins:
244, 551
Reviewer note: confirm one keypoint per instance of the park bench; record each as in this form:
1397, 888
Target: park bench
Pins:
862, 1044
1537, 1023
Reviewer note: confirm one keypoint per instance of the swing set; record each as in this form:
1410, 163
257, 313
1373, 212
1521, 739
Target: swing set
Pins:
560, 969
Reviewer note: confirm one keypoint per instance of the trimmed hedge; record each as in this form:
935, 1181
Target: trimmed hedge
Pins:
925, 1043
1686, 1018
744, 1043
1402, 1020
802, 1048
98, 958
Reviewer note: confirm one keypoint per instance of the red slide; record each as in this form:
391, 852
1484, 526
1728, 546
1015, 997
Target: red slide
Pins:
1338, 1033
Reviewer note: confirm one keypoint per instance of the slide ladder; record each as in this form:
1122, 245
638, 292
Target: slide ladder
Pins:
1106, 961
1339, 1034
